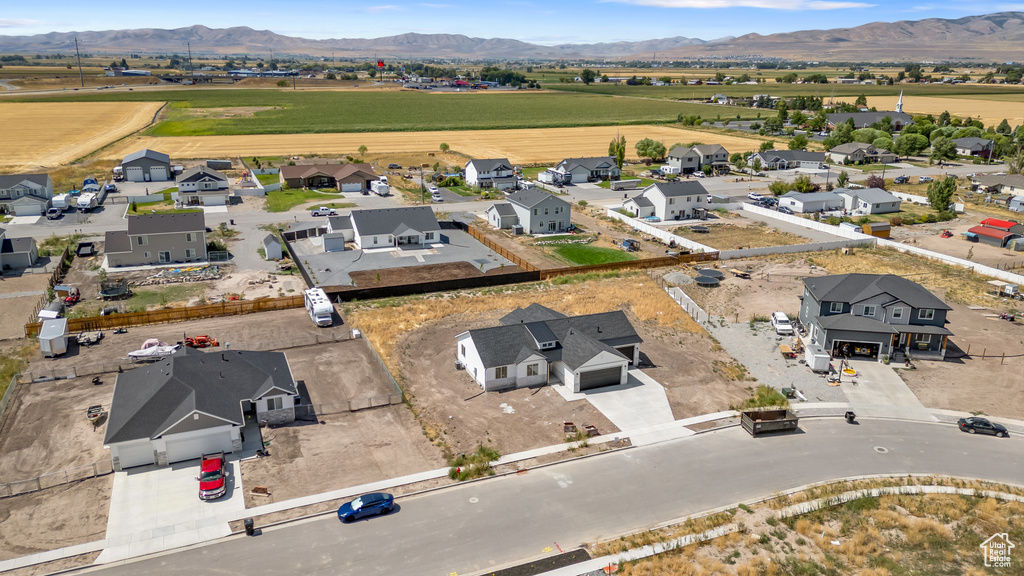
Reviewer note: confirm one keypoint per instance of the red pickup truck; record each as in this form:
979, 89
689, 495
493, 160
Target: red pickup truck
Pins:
213, 476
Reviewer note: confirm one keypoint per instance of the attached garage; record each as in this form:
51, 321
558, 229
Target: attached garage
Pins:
628, 352
192, 446
134, 174
602, 377
135, 454
352, 186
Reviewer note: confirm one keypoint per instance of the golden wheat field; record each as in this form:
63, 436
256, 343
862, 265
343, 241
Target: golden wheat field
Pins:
527, 146
49, 134
991, 112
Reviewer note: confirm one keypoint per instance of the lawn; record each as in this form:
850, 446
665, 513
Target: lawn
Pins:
153, 296
464, 191
192, 112
284, 200
584, 255
644, 182
268, 178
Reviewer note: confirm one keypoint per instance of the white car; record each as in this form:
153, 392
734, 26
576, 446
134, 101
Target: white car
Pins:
437, 198
433, 190
755, 196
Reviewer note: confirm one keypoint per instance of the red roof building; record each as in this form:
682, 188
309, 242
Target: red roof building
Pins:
1004, 225
992, 236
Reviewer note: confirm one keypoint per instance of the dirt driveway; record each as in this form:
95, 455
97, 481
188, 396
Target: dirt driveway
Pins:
927, 236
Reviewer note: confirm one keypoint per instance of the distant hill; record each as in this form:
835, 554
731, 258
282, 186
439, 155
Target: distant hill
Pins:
989, 37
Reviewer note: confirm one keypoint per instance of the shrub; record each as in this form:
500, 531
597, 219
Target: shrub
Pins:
929, 218
473, 465
832, 220
282, 83
582, 203
896, 221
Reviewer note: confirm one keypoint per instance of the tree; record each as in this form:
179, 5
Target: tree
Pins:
940, 193
882, 143
943, 118
1004, 128
617, 150
445, 147
797, 118
773, 124
756, 165
843, 179
766, 146
942, 149
362, 149
738, 161
330, 76
798, 142
783, 110
862, 100
875, 181
803, 185
588, 75
124, 63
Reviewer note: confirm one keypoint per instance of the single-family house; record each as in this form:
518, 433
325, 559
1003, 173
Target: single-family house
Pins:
343, 177
676, 200
868, 200
982, 147
1015, 203
25, 194
577, 170
394, 227
502, 216
811, 202
158, 239
688, 160
202, 186
147, 166
866, 119
17, 253
339, 231
999, 183
860, 153
539, 211
193, 403
788, 159
537, 345
714, 155
873, 315
491, 173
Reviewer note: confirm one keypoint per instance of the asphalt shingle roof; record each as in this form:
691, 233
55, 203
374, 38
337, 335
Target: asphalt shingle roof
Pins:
532, 313
851, 288
811, 196
150, 399
390, 220
17, 245
9, 180
197, 173
642, 201
532, 197
680, 188
490, 164
336, 171
167, 223
792, 155
589, 163
853, 323
869, 195
117, 241
504, 209
971, 141
147, 153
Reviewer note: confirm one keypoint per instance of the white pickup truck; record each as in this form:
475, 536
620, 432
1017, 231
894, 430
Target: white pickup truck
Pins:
323, 211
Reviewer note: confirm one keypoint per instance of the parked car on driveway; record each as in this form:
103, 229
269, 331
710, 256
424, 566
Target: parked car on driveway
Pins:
900, 180
394, 166
213, 476
923, 179
975, 425
785, 210
755, 196
53, 213
377, 503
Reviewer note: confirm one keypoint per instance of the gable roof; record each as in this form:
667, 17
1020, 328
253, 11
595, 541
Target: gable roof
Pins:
592, 163
167, 223
490, 164
850, 288
336, 171
16, 245
339, 222
681, 152
998, 223
10, 180
391, 220
792, 155
851, 147
709, 149
811, 196
678, 188
641, 201
503, 209
1013, 180
970, 142
116, 241
150, 399
147, 153
869, 195
198, 173
532, 313
271, 239
991, 232
532, 197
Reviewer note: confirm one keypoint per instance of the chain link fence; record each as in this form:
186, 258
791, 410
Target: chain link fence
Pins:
51, 479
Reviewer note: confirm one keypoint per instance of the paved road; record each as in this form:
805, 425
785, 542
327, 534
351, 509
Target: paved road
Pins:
480, 526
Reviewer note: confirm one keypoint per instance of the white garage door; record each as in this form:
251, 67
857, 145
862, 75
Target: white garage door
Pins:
134, 174
351, 186
158, 173
135, 454
179, 449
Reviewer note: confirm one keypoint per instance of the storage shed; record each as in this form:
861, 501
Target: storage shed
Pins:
219, 164
992, 236
878, 229
272, 247
53, 337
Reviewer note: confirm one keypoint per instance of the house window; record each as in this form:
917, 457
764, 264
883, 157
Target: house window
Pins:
835, 307
501, 372
688, 199
897, 313
190, 237
924, 338
428, 235
671, 200
275, 403
545, 211
163, 256
374, 239
190, 253
926, 314
532, 369
143, 240
463, 348
146, 255
534, 211
869, 310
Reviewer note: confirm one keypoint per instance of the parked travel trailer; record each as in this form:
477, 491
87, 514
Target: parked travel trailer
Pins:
319, 307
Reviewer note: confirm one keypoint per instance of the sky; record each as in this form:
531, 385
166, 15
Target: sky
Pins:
537, 21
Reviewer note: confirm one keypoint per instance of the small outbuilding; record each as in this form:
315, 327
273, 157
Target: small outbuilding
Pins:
53, 337
877, 229
272, 247
502, 215
147, 166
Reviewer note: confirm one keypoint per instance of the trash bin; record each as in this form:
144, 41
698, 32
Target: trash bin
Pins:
850, 416
249, 531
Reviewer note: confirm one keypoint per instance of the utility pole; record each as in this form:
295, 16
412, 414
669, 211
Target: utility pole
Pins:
81, 79
191, 70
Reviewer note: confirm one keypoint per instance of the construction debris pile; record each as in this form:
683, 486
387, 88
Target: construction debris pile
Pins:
181, 275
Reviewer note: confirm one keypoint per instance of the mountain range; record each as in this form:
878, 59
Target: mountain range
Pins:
991, 37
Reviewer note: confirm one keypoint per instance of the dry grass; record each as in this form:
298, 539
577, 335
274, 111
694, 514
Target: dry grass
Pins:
951, 283
991, 112
729, 236
53, 133
519, 146
383, 322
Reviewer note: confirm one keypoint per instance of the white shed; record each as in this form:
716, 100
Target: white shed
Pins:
53, 337
272, 247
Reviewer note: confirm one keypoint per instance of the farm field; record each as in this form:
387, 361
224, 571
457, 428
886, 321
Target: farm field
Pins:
320, 111
519, 146
847, 92
54, 133
991, 109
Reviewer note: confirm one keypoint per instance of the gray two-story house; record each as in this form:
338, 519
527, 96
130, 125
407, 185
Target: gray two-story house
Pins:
491, 173
540, 212
25, 194
687, 160
874, 315
158, 239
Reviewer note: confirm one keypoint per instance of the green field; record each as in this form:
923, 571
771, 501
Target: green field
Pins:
284, 200
825, 91
321, 111
584, 255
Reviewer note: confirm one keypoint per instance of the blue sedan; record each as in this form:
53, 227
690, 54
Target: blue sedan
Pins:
366, 505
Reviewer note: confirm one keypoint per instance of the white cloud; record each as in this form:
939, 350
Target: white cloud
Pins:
768, 4
386, 8
17, 22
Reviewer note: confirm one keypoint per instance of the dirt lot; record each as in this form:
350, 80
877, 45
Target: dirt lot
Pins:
519, 146
337, 372
60, 516
927, 236
17, 309
733, 236
53, 133
426, 273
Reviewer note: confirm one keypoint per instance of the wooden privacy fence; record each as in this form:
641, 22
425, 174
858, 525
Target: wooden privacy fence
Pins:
501, 250
232, 308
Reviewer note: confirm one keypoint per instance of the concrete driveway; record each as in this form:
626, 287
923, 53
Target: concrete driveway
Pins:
639, 403
877, 390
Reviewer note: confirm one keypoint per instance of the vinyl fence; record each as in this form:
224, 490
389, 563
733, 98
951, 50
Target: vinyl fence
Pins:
794, 248
691, 307
659, 233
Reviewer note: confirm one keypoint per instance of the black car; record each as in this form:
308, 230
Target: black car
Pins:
900, 180
975, 425
785, 210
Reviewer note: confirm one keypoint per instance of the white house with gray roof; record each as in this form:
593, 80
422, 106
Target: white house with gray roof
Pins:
202, 186
193, 403
491, 173
982, 147
25, 194
868, 200
788, 159
811, 201
537, 345
167, 238
394, 227
502, 215
147, 166
577, 170
539, 211
678, 200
